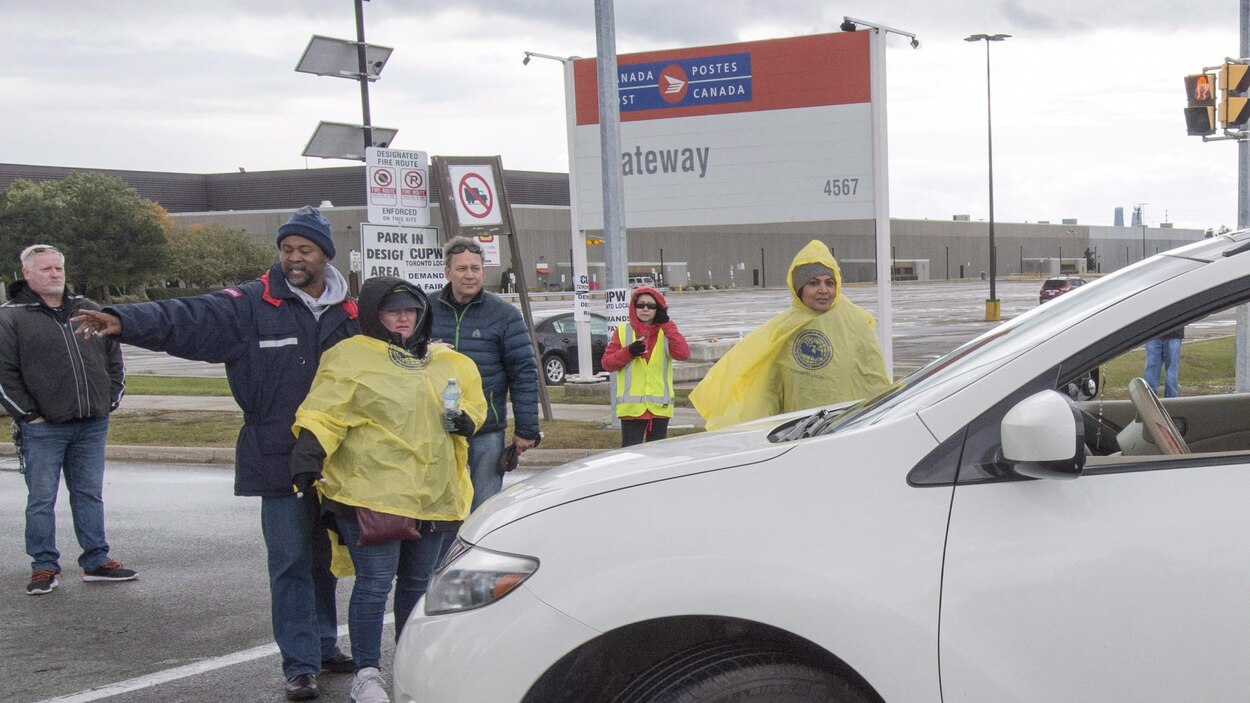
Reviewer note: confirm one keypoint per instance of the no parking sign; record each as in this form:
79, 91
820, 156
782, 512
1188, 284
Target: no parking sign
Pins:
472, 197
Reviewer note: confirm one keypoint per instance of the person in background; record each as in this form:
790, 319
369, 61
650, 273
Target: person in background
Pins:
822, 350
59, 389
490, 331
642, 353
374, 438
1165, 352
270, 334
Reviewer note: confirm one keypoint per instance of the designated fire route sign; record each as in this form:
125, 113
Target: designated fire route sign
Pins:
398, 186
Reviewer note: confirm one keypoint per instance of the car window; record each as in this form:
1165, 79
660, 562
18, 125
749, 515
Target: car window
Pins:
557, 325
1054, 283
1211, 418
598, 325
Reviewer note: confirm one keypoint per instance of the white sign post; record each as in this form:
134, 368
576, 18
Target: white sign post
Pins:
398, 186
410, 253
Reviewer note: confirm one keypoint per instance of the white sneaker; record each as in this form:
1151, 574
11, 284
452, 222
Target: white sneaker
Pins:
368, 687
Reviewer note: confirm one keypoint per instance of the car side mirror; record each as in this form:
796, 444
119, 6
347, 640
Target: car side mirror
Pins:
1044, 437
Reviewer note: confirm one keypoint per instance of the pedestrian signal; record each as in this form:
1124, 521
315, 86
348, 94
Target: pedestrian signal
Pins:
1200, 89
1234, 104
1200, 113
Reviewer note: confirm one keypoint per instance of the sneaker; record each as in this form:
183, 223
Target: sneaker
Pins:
41, 582
368, 687
110, 570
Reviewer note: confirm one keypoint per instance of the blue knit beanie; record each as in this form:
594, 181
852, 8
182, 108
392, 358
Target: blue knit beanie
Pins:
309, 223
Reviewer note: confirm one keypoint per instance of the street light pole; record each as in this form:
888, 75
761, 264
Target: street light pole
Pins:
577, 252
993, 310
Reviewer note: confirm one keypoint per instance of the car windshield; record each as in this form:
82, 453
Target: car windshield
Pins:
996, 347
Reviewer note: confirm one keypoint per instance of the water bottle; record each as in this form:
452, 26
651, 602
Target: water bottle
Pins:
451, 397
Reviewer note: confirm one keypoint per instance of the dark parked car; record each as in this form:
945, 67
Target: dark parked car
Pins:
1055, 287
556, 335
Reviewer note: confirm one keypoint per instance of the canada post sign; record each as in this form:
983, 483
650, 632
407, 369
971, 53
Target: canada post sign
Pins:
705, 80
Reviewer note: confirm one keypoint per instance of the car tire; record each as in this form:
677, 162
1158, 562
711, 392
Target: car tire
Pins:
740, 672
554, 369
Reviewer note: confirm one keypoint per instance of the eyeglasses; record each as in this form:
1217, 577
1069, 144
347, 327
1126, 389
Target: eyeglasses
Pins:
461, 248
646, 306
41, 249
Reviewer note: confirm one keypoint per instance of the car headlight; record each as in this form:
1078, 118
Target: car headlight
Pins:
473, 577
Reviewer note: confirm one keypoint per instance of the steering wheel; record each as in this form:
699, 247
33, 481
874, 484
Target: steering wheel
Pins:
1159, 426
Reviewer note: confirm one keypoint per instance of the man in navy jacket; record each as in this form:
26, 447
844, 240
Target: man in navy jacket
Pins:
490, 331
270, 333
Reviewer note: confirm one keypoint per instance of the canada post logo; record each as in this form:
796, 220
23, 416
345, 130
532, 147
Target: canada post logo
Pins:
706, 80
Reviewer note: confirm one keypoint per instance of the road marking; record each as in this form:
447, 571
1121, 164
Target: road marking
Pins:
181, 672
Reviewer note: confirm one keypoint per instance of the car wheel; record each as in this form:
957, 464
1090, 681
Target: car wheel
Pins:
554, 370
740, 672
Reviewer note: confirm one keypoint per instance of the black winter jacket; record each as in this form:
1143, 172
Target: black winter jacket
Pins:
492, 333
48, 371
270, 343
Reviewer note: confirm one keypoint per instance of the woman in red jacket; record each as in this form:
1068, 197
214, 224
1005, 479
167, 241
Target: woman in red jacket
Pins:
642, 353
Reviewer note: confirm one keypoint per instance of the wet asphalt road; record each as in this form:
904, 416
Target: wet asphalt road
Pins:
201, 600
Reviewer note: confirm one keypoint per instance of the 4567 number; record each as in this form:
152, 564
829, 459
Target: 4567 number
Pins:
835, 187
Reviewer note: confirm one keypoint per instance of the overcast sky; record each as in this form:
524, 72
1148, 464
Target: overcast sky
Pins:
1087, 94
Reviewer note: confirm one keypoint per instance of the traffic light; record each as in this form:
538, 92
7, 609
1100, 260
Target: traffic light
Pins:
1200, 114
1234, 105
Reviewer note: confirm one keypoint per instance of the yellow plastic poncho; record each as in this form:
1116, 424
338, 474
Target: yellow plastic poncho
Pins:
799, 359
378, 413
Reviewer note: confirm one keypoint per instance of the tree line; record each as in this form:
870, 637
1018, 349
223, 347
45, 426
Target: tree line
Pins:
117, 243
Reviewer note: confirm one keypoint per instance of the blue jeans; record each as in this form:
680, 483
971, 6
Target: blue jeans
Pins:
484, 453
377, 565
301, 587
77, 450
1166, 353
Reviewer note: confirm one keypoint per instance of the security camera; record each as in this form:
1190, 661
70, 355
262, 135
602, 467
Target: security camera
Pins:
377, 66
915, 43
847, 25
526, 61
381, 145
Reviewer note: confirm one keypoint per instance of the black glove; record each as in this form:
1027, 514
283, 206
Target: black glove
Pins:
458, 423
638, 348
661, 316
303, 482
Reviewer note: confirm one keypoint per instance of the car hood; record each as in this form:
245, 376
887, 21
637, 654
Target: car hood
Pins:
622, 468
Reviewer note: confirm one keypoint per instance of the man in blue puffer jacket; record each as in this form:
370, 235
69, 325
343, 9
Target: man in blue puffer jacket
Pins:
488, 330
270, 334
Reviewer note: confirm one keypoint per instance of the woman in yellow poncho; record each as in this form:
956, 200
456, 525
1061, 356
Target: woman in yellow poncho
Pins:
373, 438
822, 350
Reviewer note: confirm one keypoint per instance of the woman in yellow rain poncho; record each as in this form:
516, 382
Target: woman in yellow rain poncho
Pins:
373, 438
822, 350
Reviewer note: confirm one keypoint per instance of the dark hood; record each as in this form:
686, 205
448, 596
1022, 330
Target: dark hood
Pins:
371, 294
20, 292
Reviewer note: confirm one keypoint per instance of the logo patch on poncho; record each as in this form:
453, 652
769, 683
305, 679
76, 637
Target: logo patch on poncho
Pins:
404, 360
812, 350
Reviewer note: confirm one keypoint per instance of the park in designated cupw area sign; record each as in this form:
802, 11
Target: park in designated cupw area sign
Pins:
410, 253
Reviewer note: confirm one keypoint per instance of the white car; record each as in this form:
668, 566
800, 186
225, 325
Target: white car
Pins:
972, 534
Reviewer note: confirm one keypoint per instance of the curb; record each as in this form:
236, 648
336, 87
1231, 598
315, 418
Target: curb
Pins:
532, 459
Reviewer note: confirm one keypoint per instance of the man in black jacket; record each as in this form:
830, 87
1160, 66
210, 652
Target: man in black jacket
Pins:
60, 390
270, 334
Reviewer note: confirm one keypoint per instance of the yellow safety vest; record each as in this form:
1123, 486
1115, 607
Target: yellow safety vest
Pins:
645, 385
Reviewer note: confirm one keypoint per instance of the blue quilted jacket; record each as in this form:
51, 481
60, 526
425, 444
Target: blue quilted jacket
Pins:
491, 332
